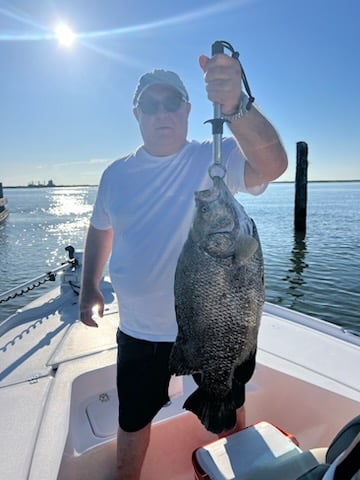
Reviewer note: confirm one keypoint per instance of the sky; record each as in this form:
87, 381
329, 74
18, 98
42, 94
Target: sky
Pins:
66, 113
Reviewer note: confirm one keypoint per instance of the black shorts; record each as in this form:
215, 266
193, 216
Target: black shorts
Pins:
143, 380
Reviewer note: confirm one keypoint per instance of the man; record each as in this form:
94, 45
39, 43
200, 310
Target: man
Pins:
142, 215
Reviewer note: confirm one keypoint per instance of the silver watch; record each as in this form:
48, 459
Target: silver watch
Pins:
241, 111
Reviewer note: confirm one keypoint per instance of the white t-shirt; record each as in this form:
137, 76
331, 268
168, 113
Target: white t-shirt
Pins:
149, 203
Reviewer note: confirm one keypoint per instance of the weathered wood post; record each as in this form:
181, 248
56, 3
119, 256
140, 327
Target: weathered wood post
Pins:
301, 187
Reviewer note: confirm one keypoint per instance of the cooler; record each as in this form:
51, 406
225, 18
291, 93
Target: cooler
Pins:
244, 455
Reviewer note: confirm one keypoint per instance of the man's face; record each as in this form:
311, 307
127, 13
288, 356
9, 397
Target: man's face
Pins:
164, 132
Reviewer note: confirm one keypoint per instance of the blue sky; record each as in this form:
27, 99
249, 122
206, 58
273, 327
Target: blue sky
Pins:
66, 112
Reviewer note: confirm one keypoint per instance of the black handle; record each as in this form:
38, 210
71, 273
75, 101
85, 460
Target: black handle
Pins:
217, 47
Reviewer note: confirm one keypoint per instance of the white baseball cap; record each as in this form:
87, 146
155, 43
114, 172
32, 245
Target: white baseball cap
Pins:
162, 77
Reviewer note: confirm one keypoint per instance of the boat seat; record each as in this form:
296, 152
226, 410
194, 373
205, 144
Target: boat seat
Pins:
263, 451
342, 458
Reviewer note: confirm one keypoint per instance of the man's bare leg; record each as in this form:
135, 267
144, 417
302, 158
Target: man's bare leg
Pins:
240, 419
131, 450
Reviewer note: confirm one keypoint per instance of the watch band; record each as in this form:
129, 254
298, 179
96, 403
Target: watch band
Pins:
243, 108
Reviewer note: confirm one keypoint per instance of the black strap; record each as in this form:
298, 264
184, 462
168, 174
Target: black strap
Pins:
218, 47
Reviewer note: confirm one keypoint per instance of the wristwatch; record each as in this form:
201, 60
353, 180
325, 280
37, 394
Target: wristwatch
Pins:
243, 108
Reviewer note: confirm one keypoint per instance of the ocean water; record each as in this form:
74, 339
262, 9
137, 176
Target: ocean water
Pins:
318, 274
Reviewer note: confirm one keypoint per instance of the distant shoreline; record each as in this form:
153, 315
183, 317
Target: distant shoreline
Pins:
35, 187
87, 185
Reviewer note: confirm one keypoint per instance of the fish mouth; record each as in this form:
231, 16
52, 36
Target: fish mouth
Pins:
215, 230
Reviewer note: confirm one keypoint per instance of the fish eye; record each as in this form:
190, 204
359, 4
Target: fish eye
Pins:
204, 209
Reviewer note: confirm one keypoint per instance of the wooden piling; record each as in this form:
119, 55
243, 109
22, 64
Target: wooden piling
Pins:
301, 187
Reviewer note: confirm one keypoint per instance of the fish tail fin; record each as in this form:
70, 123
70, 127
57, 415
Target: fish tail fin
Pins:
217, 415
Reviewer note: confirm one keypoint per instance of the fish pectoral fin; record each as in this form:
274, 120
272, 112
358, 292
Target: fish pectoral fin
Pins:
178, 364
246, 247
216, 414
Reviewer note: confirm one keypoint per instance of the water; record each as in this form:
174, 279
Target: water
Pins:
318, 274
42, 222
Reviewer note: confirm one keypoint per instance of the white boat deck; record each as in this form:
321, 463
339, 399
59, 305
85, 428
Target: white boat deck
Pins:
58, 397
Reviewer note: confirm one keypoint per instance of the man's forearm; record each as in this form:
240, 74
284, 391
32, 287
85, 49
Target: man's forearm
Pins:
262, 147
97, 250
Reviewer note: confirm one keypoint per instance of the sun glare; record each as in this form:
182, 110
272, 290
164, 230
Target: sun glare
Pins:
65, 35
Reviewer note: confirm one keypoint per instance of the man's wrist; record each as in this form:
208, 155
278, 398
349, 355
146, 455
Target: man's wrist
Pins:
241, 110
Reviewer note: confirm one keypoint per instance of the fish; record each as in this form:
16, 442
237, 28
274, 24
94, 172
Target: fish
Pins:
219, 296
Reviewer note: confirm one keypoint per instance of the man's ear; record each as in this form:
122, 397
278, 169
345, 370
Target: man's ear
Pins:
136, 113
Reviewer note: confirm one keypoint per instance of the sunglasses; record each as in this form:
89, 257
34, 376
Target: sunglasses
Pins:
150, 106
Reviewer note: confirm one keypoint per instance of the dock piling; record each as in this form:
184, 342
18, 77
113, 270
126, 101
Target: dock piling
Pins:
301, 187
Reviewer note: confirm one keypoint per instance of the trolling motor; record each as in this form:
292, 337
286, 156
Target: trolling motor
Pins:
218, 121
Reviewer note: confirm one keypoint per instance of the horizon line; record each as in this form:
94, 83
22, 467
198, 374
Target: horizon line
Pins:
35, 187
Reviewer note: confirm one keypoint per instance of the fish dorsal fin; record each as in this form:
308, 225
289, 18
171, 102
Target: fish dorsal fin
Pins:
246, 247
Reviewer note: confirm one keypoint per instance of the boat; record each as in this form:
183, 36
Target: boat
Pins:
58, 402
4, 212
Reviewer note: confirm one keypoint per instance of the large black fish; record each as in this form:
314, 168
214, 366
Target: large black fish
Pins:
219, 295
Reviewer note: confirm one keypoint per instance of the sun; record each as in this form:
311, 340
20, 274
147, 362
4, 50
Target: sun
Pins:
65, 35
